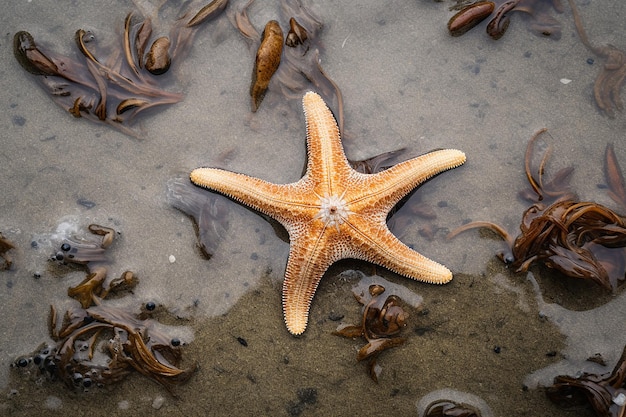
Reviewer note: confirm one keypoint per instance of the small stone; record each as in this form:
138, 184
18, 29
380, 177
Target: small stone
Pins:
565, 81
88, 204
123, 405
158, 402
19, 120
620, 399
53, 403
172, 259
334, 316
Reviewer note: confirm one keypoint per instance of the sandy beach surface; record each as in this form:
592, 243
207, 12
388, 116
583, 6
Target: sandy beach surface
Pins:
490, 334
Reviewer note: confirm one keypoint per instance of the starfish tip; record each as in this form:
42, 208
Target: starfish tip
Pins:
196, 176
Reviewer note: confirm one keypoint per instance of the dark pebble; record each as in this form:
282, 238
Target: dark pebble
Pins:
307, 395
422, 330
19, 120
295, 409
590, 61
86, 203
150, 306
242, 341
333, 316
497, 349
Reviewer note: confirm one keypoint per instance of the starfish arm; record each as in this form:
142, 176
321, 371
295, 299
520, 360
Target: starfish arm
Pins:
309, 258
326, 158
280, 201
389, 186
381, 247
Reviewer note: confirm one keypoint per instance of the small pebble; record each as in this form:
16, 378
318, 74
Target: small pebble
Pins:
123, 405
620, 399
172, 259
590, 61
53, 403
334, 316
88, 204
19, 120
565, 81
158, 402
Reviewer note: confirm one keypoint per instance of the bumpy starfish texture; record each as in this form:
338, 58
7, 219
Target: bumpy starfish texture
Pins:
335, 212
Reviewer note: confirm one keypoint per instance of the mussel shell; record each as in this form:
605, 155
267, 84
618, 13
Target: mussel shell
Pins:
30, 57
158, 60
470, 16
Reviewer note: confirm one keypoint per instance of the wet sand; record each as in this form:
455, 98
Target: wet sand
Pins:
406, 83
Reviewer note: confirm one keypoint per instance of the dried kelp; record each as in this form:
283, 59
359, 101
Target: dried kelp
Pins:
608, 85
113, 89
605, 393
97, 344
580, 239
382, 321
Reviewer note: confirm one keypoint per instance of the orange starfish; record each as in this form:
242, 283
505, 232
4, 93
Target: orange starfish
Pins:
334, 212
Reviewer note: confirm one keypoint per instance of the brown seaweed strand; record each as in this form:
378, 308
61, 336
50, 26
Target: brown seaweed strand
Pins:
127, 44
527, 159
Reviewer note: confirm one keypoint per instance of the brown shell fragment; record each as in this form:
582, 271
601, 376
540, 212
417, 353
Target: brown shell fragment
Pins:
90, 288
158, 60
470, 16
30, 57
130, 103
500, 23
297, 34
267, 61
5, 246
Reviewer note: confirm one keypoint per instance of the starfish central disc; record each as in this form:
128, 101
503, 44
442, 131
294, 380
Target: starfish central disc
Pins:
333, 211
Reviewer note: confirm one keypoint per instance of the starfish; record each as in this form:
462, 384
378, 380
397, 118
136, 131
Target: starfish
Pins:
334, 212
